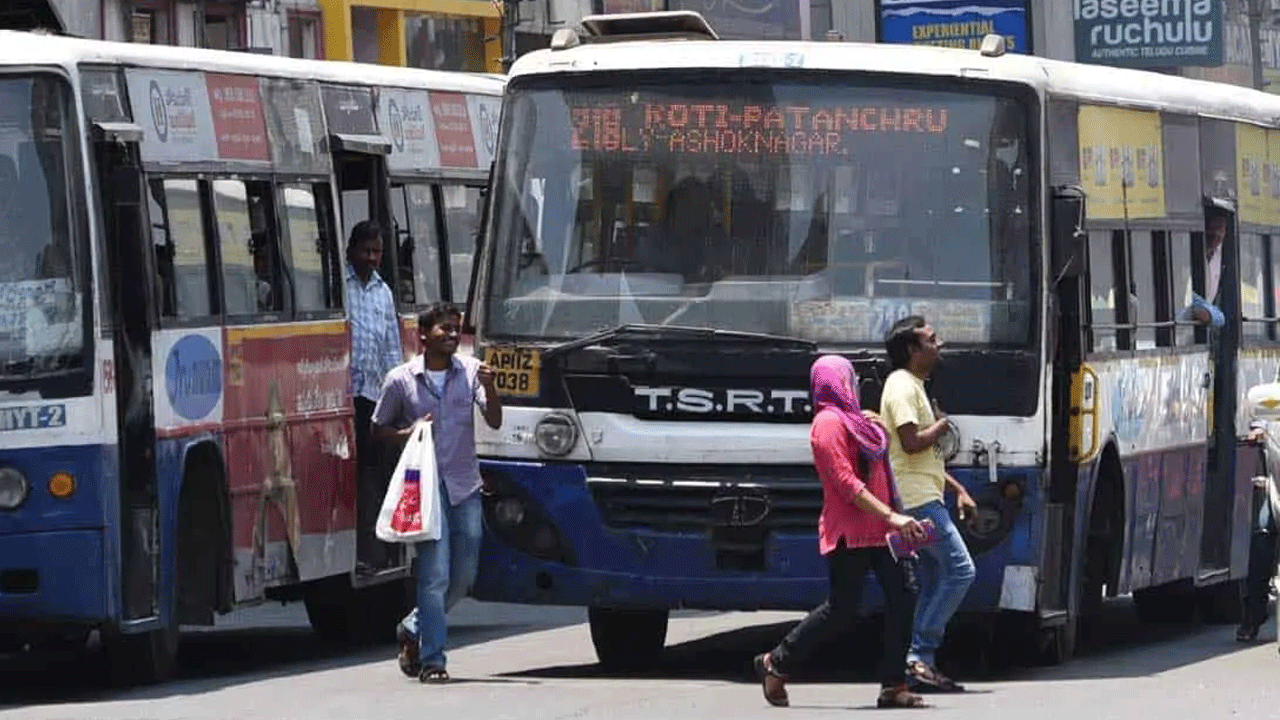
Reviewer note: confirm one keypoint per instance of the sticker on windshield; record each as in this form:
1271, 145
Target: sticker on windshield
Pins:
32, 417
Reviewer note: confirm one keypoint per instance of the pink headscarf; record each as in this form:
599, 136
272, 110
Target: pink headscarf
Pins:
831, 379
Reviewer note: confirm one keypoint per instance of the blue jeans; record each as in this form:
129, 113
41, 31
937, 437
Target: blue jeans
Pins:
446, 570
944, 572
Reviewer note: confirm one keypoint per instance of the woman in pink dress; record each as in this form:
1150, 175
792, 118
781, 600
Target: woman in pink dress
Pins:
860, 505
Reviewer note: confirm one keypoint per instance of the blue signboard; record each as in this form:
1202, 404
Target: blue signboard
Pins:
955, 23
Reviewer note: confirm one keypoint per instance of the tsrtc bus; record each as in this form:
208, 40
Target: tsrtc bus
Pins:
176, 432
679, 225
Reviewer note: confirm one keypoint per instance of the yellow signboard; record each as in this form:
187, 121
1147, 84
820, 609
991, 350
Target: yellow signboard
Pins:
1121, 163
1258, 174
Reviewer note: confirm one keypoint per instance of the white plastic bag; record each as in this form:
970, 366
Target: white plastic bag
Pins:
411, 508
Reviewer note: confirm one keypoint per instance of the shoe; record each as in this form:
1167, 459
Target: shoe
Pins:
1247, 632
433, 676
772, 683
923, 679
408, 656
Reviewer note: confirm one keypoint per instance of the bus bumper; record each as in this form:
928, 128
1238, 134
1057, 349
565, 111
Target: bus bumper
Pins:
52, 577
563, 552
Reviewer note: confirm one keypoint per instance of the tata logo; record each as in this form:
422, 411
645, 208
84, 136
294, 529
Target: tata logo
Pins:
728, 401
159, 112
739, 508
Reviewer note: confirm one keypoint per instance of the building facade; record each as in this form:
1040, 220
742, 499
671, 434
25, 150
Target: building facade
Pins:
1209, 39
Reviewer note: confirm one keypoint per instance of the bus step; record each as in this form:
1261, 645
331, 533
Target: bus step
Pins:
1053, 618
1208, 577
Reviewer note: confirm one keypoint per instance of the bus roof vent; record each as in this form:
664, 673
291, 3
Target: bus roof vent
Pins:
670, 25
993, 45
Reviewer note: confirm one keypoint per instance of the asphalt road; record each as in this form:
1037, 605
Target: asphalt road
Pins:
517, 662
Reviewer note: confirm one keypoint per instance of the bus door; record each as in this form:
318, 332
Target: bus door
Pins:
360, 171
362, 192
1071, 427
1218, 527
127, 240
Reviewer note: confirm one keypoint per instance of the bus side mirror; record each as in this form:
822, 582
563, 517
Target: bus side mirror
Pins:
1067, 232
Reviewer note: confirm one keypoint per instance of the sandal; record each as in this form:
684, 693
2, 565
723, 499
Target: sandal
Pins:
433, 676
899, 697
408, 656
771, 682
923, 678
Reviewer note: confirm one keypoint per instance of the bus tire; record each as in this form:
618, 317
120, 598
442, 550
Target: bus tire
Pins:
343, 615
1165, 605
628, 639
144, 658
1221, 603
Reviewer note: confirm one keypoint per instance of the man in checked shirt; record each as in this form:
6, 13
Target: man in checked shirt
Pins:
375, 349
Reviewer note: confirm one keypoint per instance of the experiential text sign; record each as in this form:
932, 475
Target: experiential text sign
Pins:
954, 23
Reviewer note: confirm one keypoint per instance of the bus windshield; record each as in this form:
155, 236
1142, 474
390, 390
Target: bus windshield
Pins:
41, 322
820, 209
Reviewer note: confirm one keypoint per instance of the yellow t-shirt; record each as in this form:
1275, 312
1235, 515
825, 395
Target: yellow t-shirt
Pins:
921, 477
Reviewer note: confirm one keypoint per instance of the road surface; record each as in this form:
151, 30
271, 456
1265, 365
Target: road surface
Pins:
516, 662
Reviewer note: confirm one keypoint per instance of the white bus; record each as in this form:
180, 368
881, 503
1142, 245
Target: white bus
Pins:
680, 225
176, 433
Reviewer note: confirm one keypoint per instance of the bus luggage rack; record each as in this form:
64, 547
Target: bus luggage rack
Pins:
698, 499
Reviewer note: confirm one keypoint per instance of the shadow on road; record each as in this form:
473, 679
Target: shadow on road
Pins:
1124, 648
210, 660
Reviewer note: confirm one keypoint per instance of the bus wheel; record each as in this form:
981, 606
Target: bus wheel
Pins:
1164, 605
1220, 604
628, 639
343, 615
143, 658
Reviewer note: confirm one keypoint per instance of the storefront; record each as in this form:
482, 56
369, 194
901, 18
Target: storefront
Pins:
435, 34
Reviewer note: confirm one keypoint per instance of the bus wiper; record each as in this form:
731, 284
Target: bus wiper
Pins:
684, 332
34, 366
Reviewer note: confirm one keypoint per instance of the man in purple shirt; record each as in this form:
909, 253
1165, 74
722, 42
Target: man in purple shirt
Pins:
441, 387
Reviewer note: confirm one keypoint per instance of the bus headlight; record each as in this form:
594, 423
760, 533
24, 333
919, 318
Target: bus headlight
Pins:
556, 434
14, 488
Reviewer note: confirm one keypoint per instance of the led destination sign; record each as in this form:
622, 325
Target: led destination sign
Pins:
756, 129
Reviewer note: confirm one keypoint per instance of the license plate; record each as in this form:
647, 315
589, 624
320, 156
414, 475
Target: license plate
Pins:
515, 370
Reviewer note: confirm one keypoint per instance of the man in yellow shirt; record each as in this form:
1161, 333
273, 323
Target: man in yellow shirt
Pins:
915, 425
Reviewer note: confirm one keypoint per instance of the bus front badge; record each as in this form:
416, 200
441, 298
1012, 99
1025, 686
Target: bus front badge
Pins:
739, 508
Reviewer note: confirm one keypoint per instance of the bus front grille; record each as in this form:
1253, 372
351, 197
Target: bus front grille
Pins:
769, 499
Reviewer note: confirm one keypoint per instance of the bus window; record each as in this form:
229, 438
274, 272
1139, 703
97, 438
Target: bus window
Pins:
309, 251
1102, 294
417, 245
249, 277
462, 221
1253, 310
1143, 298
182, 261
1181, 282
